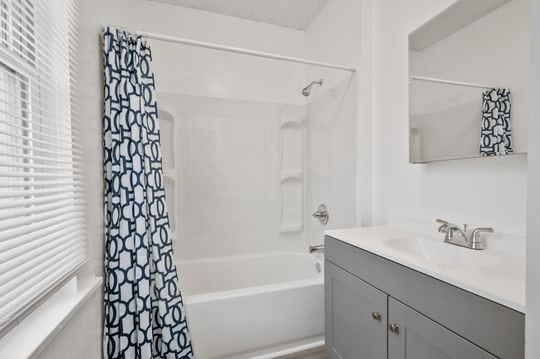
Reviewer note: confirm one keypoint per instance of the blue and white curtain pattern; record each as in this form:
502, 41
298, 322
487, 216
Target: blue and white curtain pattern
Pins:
144, 314
496, 137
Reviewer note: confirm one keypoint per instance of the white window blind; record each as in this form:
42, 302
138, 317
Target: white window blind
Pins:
42, 233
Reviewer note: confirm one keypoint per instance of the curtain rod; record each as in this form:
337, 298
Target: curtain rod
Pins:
238, 50
448, 82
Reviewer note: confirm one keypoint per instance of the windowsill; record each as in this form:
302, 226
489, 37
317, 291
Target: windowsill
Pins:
38, 329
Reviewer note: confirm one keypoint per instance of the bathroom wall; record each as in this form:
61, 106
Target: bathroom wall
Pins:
225, 157
336, 36
225, 175
204, 72
330, 160
488, 192
245, 176
337, 173
333, 37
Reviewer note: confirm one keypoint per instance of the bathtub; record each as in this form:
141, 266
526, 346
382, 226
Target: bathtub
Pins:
256, 306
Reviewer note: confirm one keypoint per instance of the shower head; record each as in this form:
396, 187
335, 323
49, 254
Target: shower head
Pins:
306, 91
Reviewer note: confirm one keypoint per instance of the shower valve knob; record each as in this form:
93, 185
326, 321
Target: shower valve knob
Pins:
322, 214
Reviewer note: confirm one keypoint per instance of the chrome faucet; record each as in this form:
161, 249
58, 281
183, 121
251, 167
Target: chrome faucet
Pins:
453, 234
318, 248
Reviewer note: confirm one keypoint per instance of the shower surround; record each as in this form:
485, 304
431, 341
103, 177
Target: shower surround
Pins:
245, 177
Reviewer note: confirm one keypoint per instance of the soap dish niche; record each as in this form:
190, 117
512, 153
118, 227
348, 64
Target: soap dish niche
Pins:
166, 127
170, 195
291, 175
291, 172
293, 123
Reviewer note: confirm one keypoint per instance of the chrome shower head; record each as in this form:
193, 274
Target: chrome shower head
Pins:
306, 91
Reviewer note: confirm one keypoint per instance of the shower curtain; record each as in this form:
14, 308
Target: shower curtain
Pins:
144, 314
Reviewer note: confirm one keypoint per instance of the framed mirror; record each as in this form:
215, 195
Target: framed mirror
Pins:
468, 82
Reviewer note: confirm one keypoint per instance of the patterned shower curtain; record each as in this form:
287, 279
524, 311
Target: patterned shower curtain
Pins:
144, 314
496, 135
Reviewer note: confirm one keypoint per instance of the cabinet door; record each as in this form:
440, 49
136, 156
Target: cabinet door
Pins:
418, 337
355, 317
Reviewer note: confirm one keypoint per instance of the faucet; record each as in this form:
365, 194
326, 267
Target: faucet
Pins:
453, 234
318, 248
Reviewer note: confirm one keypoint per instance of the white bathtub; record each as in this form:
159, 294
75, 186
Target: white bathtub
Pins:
258, 306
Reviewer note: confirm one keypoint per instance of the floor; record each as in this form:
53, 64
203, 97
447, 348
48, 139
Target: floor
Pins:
317, 353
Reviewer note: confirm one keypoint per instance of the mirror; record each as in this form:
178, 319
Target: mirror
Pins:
468, 85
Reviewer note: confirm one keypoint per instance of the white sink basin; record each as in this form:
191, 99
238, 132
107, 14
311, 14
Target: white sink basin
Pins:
441, 254
418, 247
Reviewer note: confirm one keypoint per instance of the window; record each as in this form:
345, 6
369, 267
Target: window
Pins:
42, 233
17, 28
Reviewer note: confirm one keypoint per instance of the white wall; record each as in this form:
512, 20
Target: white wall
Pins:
330, 169
226, 183
489, 192
204, 72
226, 172
532, 333
335, 36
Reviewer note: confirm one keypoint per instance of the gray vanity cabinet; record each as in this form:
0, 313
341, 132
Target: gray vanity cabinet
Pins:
379, 309
414, 336
355, 317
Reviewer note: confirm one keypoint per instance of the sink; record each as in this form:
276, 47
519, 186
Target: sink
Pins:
441, 254
418, 247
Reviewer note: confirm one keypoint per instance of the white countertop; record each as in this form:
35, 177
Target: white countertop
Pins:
495, 274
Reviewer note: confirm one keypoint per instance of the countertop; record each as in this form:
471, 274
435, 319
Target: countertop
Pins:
495, 274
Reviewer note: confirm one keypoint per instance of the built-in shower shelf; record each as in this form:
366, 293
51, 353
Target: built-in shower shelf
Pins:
291, 175
292, 119
167, 141
290, 123
170, 193
166, 125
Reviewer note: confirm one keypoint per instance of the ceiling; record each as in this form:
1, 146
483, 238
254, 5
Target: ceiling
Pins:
296, 14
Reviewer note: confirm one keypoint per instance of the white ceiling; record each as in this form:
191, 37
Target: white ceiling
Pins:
296, 14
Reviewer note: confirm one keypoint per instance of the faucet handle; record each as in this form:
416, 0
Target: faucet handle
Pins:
443, 228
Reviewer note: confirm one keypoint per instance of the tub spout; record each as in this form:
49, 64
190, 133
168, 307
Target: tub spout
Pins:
319, 248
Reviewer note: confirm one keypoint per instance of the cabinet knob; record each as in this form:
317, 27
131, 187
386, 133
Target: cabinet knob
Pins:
376, 316
393, 328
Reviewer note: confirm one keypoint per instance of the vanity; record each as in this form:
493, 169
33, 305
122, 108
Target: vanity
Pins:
395, 293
